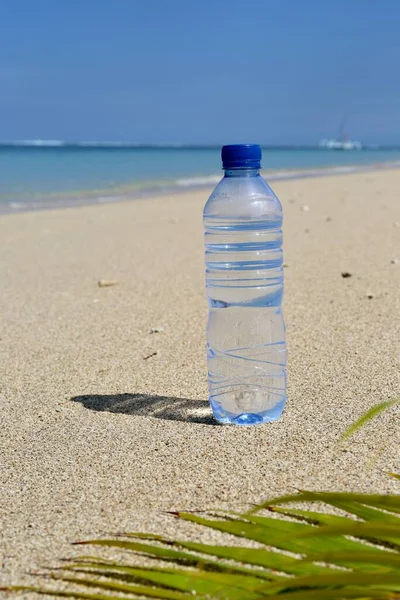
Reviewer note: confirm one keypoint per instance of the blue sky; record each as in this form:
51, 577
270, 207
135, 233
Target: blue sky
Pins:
200, 71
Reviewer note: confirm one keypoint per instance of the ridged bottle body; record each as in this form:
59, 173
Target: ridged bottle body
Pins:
246, 349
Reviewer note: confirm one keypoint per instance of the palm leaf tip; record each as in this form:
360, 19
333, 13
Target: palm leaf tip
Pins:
370, 414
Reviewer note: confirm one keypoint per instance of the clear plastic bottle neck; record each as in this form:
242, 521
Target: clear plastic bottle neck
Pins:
241, 172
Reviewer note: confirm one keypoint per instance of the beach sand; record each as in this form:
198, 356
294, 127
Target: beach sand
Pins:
105, 423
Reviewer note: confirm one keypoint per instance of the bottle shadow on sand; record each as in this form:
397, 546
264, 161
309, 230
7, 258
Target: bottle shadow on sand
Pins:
145, 405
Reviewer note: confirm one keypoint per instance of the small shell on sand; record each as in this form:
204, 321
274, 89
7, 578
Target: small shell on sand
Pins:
156, 329
305, 208
107, 282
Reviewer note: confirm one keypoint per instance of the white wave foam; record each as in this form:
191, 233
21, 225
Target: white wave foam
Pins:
51, 143
17, 205
25, 205
88, 144
195, 181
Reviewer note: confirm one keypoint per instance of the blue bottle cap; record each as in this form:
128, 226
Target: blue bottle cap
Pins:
241, 156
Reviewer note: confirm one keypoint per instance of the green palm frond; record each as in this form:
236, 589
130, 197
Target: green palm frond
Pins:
302, 554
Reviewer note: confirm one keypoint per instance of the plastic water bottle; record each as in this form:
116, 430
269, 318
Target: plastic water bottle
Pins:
246, 350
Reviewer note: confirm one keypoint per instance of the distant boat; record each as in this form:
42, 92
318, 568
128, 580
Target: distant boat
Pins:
343, 144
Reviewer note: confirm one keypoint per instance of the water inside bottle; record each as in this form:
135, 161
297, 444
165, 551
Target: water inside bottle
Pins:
246, 332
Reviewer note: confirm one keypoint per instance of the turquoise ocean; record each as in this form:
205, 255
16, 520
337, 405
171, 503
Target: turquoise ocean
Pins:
39, 175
